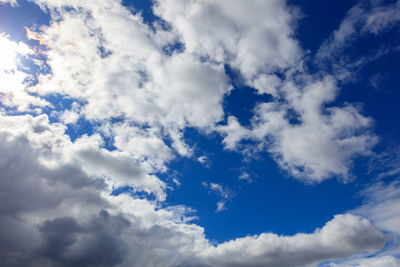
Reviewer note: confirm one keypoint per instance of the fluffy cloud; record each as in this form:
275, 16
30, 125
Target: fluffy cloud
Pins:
55, 148
139, 82
60, 216
238, 37
311, 141
168, 91
381, 207
273, 250
14, 80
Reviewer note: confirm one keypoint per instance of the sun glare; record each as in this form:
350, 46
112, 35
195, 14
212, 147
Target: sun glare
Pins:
12, 80
9, 51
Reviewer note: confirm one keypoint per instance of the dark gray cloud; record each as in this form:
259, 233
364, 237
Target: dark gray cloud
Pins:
27, 187
96, 243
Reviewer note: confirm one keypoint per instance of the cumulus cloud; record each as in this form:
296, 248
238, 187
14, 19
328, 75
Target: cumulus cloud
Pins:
69, 218
238, 37
308, 134
169, 91
381, 207
143, 84
311, 141
273, 250
61, 217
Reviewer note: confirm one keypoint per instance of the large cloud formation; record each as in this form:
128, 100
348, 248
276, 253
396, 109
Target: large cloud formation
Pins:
142, 85
60, 215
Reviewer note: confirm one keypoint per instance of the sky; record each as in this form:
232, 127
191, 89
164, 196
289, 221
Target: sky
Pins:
199, 133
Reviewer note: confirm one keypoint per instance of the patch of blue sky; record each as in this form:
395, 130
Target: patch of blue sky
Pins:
79, 128
133, 192
273, 202
144, 8
14, 20
242, 99
376, 88
318, 20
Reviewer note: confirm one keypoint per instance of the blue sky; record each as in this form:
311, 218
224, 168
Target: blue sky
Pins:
199, 133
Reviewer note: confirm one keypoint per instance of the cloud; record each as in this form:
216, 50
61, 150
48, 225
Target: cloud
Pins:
382, 206
10, 2
383, 261
202, 159
32, 192
224, 193
273, 250
245, 176
142, 234
14, 81
238, 37
129, 82
309, 140
97, 242
55, 148
369, 17
34, 35
59, 216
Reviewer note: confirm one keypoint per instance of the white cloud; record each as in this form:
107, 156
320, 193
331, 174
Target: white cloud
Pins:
370, 17
381, 261
202, 159
14, 82
11, 2
59, 215
224, 193
71, 116
238, 37
142, 84
321, 141
245, 176
382, 206
301, 249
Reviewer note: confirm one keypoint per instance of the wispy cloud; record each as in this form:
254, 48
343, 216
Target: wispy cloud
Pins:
224, 193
